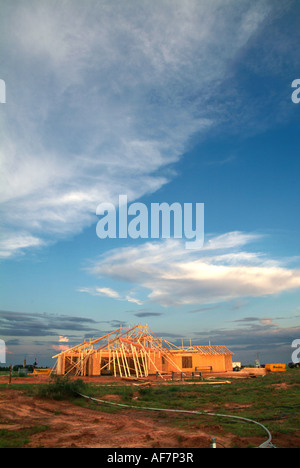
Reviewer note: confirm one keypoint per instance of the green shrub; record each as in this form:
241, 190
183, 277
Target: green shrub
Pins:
62, 388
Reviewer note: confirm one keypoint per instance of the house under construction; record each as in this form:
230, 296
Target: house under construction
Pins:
137, 352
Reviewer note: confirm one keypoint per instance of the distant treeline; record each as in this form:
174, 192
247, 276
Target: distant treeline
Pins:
17, 367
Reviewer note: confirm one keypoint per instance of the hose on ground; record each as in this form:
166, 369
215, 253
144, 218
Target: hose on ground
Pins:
267, 444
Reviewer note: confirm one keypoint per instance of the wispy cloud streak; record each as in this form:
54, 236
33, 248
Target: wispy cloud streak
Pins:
102, 98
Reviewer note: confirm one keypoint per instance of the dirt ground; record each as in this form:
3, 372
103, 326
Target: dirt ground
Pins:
109, 379
73, 426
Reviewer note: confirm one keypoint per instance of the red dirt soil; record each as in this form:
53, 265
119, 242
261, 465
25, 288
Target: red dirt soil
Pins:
73, 426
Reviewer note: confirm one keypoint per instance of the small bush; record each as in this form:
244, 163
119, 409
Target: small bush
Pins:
62, 388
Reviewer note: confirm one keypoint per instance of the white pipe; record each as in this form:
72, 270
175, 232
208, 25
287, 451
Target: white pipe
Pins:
263, 445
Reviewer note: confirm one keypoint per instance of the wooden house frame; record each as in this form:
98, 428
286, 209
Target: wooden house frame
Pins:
137, 352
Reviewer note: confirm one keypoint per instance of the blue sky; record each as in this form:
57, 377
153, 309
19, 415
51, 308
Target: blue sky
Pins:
165, 101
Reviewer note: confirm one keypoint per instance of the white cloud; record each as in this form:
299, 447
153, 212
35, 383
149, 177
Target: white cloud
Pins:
102, 97
134, 300
63, 339
267, 321
174, 276
230, 239
17, 243
108, 292
111, 293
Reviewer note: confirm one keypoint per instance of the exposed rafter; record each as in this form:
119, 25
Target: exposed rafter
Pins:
128, 352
